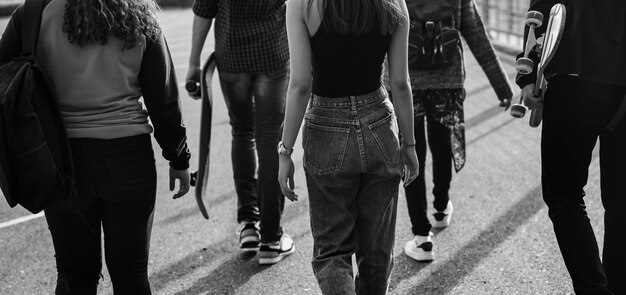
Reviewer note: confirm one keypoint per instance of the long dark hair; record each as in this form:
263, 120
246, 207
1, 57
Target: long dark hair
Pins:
359, 16
94, 21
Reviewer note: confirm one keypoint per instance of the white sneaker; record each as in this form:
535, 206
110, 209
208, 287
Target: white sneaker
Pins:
420, 248
273, 252
442, 218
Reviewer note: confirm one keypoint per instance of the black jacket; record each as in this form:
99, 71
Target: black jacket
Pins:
593, 45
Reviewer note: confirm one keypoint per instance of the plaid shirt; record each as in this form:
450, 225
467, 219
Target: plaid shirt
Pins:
250, 35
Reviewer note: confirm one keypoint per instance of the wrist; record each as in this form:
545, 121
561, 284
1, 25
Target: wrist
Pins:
283, 150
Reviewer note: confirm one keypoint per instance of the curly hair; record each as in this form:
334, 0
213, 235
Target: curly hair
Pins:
94, 21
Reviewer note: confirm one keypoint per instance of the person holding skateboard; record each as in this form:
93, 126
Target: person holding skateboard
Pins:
100, 73
353, 159
585, 100
438, 97
253, 65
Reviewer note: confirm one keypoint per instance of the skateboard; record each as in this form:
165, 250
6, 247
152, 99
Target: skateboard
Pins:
551, 39
204, 91
525, 65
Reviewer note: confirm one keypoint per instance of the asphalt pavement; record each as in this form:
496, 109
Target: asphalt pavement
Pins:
500, 240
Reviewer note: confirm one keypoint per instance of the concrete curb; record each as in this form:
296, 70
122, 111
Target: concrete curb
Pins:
7, 7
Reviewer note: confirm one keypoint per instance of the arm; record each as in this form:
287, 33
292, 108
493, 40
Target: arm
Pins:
11, 42
474, 33
397, 56
160, 93
298, 92
204, 12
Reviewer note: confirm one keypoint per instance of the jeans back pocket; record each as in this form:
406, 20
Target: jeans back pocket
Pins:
385, 133
324, 147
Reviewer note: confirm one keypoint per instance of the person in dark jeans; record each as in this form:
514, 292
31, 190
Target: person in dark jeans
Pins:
253, 65
585, 100
100, 73
438, 98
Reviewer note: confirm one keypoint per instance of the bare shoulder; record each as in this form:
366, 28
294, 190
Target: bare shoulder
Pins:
308, 11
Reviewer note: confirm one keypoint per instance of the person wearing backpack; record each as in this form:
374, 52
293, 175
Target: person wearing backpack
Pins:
437, 73
102, 58
585, 101
353, 158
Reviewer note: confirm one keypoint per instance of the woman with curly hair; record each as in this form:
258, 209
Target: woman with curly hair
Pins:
103, 56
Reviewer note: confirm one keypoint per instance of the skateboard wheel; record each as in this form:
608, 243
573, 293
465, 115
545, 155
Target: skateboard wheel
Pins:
535, 18
518, 111
192, 86
524, 65
193, 177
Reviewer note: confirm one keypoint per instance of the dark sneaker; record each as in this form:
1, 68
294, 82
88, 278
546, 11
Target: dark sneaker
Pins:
442, 218
420, 248
273, 252
249, 237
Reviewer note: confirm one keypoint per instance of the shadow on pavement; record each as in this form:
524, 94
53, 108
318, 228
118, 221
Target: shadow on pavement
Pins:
188, 212
189, 263
229, 276
452, 272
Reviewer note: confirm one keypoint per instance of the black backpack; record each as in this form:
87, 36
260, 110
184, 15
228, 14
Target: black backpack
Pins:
35, 160
434, 42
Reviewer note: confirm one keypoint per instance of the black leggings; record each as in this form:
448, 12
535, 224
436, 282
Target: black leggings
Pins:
439, 142
116, 190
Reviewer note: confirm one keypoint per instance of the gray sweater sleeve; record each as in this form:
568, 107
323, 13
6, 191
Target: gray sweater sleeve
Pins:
473, 31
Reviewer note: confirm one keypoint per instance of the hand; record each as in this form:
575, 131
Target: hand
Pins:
530, 100
183, 179
505, 103
193, 75
285, 177
411, 165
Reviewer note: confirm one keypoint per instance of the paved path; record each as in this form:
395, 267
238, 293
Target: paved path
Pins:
500, 240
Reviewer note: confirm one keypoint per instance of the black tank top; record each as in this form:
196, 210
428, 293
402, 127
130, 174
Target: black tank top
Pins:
345, 64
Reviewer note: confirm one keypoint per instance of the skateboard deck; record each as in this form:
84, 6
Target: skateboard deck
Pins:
200, 177
552, 37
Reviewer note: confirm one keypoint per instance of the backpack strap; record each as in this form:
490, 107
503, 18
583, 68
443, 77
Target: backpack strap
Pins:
31, 21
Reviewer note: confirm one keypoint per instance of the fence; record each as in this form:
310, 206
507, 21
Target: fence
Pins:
504, 20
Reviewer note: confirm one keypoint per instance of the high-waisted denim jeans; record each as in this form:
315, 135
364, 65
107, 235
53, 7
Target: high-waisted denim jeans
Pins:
256, 107
353, 170
116, 191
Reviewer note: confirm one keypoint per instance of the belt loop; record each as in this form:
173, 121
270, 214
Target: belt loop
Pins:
353, 103
311, 98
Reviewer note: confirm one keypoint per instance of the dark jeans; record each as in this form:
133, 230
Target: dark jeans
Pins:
116, 190
575, 115
353, 169
256, 106
439, 142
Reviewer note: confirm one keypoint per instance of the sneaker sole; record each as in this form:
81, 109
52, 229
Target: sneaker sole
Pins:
246, 248
423, 257
441, 224
276, 259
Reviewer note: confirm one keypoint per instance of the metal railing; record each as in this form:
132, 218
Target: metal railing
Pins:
504, 20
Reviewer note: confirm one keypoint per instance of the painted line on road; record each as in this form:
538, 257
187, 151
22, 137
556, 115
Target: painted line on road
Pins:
21, 220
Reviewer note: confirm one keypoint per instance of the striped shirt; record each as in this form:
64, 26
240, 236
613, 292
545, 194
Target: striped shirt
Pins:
250, 35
